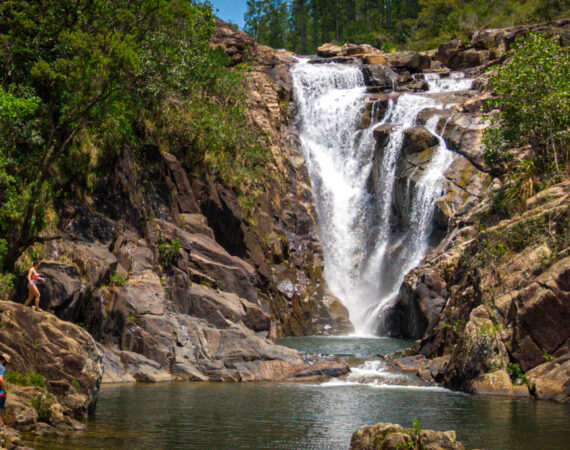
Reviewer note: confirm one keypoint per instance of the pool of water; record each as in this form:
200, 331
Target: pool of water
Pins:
345, 345
308, 416
300, 416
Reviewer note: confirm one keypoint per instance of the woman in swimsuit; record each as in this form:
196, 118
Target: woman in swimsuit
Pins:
33, 291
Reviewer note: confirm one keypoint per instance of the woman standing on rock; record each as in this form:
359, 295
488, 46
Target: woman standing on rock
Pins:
33, 291
4, 359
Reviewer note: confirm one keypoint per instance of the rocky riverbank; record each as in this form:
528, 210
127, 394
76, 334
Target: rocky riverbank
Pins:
177, 279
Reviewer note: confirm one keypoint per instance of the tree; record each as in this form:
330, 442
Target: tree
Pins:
267, 22
533, 98
71, 65
299, 23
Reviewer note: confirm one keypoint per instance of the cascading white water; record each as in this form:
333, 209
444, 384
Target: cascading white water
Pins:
355, 229
456, 81
338, 154
379, 282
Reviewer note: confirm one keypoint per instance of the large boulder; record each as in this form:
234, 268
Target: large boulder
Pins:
63, 353
417, 307
551, 380
217, 308
388, 436
329, 50
542, 315
498, 383
412, 61
464, 134
203, 254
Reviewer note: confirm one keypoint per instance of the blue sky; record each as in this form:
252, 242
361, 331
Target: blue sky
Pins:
230, 10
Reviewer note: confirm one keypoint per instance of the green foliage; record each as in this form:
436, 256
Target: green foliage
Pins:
546, 356
302, 25
116, 279
516, 372
81, 80
455, 326
6, 285
76, 80
207, 283
42, 404
533, 98
414, 432
417, 424
487, 329
168, 251
19, 142
493, 247
75, 383
28, 379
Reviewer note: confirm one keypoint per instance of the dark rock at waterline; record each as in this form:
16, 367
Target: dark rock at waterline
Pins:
379, 76
320, 371
551, 380
388, 436
417, 308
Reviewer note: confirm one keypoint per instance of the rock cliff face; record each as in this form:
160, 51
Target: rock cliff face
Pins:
506, 302
491, 302
281, 242
173, 279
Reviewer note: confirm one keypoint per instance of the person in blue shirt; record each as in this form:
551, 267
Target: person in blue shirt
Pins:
3, 361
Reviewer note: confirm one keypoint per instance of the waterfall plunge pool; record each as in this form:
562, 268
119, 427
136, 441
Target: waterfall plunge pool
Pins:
306, 416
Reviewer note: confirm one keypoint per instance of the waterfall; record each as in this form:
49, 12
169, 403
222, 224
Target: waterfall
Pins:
365, 259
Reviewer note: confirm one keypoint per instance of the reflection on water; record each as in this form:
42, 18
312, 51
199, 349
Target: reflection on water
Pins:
303, 416
298, 416
345, 345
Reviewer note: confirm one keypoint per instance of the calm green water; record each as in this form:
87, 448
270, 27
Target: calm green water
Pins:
302, 416
288, 416
345, 345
